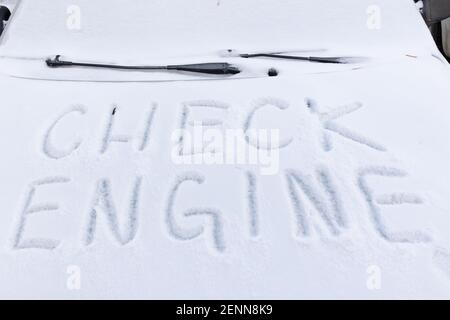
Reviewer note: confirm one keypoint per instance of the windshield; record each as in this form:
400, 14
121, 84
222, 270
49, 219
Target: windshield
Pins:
140, 29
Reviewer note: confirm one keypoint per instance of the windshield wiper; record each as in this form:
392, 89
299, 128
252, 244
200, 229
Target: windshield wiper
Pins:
219, 68
282, 55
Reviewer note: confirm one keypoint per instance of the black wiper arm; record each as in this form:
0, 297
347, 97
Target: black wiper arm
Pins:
219, 68
283, 56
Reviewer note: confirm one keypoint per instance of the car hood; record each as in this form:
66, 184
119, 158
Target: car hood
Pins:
100, 197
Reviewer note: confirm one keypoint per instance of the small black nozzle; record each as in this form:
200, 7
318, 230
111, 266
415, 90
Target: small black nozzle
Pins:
272, 72
5, 14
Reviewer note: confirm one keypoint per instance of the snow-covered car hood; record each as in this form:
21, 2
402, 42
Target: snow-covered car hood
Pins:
96, 201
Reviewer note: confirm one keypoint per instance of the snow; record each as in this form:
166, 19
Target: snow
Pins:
94, 205
178, 28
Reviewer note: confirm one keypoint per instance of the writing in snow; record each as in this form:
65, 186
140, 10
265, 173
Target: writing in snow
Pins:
318, 190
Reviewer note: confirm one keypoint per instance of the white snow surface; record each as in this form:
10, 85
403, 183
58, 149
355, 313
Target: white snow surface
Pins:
358, 208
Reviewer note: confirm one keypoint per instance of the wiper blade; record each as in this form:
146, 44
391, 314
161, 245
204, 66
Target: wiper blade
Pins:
283, 55
219, 68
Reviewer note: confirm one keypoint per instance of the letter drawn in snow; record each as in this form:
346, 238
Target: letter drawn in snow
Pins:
376, 202
57, 152
325, 200
103, 201
143, 137
329, 124
180, 232
29, 209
